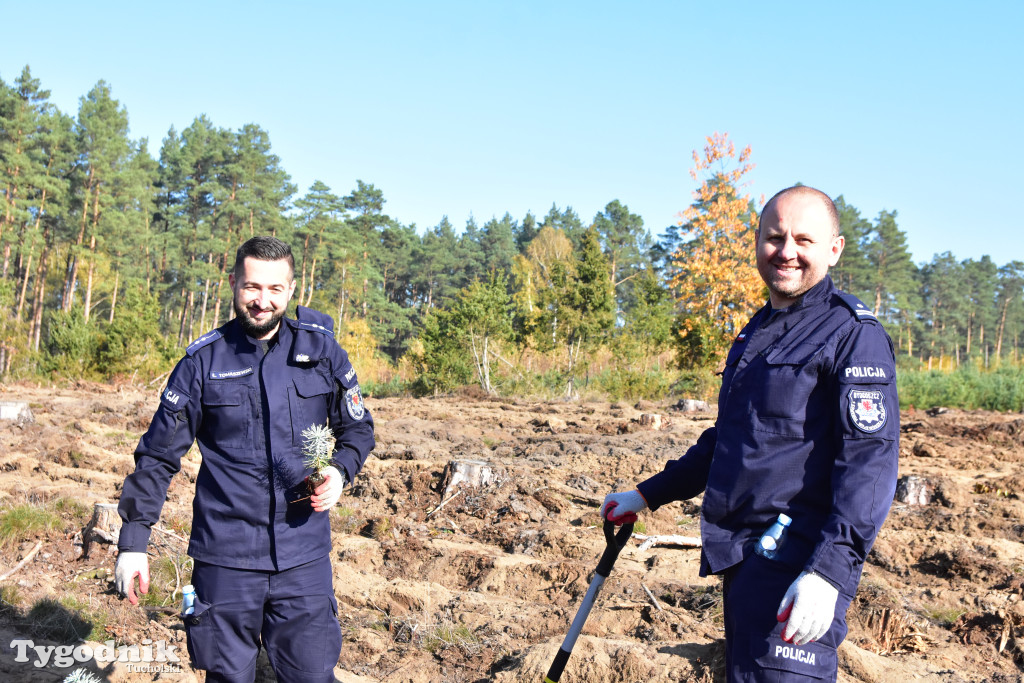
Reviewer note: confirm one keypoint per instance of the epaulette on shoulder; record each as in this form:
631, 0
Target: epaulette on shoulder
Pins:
205, 340
315, 321
858, 307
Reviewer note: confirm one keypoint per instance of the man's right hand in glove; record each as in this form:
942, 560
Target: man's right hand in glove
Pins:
621, 508
130, 565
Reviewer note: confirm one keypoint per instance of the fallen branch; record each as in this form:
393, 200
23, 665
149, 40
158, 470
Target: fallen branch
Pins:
177, 581
650, 595
583, 496
28, 558
1004, 638
163, 610
168, 532
683, 541
445, 502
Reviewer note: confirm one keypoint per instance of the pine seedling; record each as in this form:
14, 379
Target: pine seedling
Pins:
81, 676
317, 449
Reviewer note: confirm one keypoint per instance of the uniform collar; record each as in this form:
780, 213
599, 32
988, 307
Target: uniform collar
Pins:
817, 294
283, 335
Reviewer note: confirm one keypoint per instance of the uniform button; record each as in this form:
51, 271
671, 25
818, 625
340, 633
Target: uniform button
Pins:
193, 621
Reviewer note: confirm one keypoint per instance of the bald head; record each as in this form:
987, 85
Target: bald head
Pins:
797, 242
804, 191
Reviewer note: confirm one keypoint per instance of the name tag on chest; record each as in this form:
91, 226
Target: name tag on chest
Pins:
230, 374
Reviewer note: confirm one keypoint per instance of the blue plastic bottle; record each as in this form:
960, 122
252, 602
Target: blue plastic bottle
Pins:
771, 541
188, 599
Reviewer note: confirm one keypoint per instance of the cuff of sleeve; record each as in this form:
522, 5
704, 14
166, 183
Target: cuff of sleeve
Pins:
831, 564
134, 538
648, 490
346, 464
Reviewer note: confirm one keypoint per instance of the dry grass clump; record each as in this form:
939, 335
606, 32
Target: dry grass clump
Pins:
21, 522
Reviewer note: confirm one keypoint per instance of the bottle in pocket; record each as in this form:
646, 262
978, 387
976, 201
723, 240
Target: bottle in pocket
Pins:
188, 599
771, 541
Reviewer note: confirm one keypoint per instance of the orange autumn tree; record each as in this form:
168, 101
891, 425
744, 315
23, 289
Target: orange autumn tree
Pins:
713, 272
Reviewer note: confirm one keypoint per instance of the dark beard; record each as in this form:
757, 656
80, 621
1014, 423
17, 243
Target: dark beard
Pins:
252, 328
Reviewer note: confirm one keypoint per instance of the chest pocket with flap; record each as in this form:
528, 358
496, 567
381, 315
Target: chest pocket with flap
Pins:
227, 414
310, 402
788, 385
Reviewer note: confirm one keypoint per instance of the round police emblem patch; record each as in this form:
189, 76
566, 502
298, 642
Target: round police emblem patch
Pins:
354, 403
867, 410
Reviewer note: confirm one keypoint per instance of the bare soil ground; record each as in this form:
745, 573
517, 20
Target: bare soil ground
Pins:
484, 588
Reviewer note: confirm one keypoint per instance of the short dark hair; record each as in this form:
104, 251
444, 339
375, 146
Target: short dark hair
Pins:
830, 206
264, 248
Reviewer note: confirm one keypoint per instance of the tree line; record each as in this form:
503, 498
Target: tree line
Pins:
113, 260
939, 314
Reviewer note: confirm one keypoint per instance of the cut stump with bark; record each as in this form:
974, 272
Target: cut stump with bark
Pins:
689, 405
652, 421
16, 411
104, 527
914, 490
469, 473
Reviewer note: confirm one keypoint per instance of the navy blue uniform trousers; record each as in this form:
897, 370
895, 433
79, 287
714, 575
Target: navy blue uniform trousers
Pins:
755, 650
292, 613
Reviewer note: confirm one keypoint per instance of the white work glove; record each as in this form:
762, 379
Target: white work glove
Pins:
622, 507
129, 565
808, 608
326, 495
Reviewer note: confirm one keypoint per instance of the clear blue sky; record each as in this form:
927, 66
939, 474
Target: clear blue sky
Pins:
478, 108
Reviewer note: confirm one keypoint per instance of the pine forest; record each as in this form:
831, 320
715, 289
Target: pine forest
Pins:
112, 261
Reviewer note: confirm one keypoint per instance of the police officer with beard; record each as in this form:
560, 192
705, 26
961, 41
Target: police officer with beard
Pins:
260, 537
808, 426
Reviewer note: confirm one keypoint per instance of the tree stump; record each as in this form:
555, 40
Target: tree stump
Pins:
652, 421
689, 405
468, 473
925, 450
554, 424
914, 490
104, 527
18, 411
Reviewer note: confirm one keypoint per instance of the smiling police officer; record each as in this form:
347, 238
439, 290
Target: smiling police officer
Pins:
260, 541
808, 426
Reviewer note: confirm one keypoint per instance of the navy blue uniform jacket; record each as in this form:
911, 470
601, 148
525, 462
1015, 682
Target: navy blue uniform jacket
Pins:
246, 403
808, 425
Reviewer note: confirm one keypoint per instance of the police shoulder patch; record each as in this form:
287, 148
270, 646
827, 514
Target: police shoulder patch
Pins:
859, 308
173, 399
354, 403
867, 410
205, 340
868, 373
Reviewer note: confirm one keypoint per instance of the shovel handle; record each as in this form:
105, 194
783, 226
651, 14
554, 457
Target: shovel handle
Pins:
620, 539
616, 542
